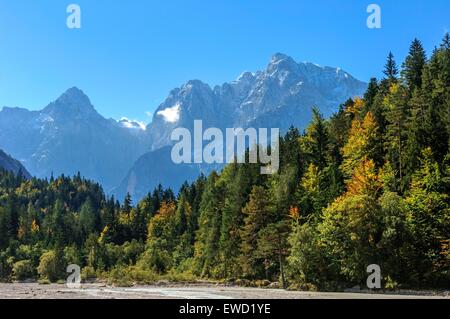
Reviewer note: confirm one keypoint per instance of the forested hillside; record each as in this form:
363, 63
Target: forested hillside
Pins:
370, 185
12, 165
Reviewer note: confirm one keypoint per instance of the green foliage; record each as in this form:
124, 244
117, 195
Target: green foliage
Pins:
390, 69
397, 113
307, 263
257, 215
361, 144
428, 218
272, 247
208, 234
72, 255
88, 273
316, 140
87, 219
51, 266
23, 269
413, 66
161, 240
370, 185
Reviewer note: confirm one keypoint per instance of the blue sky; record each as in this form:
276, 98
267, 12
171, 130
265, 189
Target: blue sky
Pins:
128, 55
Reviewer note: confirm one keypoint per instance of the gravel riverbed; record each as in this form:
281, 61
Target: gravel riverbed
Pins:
188, 291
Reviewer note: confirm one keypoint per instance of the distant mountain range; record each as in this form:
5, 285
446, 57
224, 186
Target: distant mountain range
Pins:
280, 96
69, 136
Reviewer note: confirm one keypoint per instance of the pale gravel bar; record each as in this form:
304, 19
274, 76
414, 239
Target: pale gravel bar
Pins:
180, 291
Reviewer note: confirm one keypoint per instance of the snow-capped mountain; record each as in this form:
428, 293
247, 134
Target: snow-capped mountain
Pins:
280, 96
69, 136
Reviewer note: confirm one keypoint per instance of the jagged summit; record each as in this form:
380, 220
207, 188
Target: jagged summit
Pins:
245, 76
280, 61
72, 102
69, 136
74, 93
279, 57
282, 94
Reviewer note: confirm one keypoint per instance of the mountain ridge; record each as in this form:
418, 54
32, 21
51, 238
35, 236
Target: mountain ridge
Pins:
69, 135
280, 96
284, 84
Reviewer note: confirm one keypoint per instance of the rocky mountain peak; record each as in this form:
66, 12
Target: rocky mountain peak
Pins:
280, 61
73, 102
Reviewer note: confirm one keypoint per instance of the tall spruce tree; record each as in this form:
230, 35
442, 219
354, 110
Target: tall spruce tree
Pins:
316, 140
369, 96
208, 234
413, 66
391, 69
397, 113
257, 215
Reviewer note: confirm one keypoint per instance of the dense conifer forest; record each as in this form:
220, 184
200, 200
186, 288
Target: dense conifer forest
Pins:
368, 186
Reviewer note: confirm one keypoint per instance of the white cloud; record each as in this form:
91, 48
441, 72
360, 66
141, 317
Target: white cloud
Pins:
171, 114
132, 124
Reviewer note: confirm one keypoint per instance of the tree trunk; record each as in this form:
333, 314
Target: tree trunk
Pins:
280, 257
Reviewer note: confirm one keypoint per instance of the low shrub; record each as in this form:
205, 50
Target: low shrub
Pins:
88, 273
23, 269
51, 266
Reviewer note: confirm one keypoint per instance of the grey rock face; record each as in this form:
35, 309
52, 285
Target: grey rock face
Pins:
280, 96
69, 136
